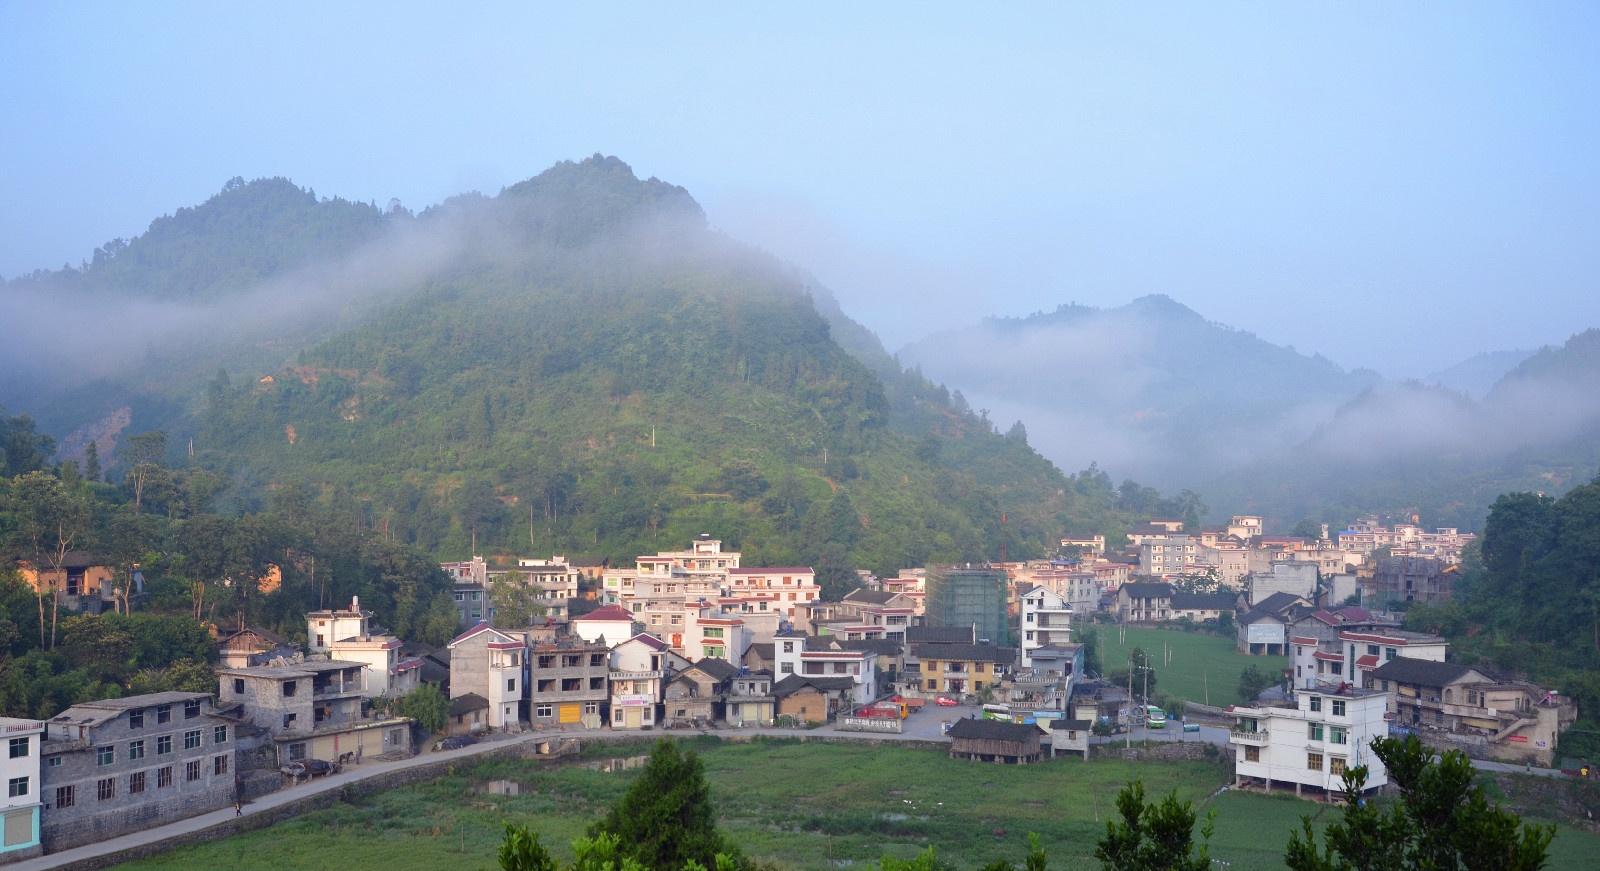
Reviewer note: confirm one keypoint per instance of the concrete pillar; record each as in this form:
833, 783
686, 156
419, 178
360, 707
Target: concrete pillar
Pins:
1297, 789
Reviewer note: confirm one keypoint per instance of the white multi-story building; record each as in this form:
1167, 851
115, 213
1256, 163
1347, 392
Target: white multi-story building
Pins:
792, 655
19, 808
335, 624
1163, 556
1046, 621
785, 586
1311, 741
1358, 652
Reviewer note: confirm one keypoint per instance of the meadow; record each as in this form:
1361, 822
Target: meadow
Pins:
798, 805
1203, 667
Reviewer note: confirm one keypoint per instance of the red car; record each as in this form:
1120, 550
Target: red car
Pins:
945, 702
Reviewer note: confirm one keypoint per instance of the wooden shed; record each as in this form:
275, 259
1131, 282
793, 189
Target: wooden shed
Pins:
994, 741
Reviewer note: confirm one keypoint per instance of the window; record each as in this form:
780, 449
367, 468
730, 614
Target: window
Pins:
511, 685
191, 771
136, 718
219, 735
788, 668
1336, 735
191, 739
288, 720
288, 689
106, 789
1389, 653
616, 715
136, 783
191, 709
1314, 761
135, 750
933, 684
164, 714
591, 707
238, 686
543, 710
219, 765
163, 745
19, 747
53, 762
163, 777
1316, 703
1252, 753
105, 755
297, 751
1338, 707
1336, 766
17, 787
65, 797
1314, 731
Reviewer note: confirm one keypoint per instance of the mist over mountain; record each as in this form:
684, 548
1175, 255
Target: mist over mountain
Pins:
1154, 390
577, 363
1150, 389
1476, 374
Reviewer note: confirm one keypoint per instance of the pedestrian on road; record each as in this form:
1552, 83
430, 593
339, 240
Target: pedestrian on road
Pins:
238, 808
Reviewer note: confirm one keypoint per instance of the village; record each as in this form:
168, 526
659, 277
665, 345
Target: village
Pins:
993, 660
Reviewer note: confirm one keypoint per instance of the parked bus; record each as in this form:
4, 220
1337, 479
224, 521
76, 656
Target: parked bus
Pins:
1154, 717
997, 712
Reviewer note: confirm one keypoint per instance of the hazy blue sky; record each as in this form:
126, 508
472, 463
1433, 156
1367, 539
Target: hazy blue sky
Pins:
1392, 184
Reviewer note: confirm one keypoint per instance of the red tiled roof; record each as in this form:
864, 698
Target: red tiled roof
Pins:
1328, 657
1368, 661
606, 613
649, 641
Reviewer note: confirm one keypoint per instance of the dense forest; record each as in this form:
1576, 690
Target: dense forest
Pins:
579, 364
1529, 600
199, 570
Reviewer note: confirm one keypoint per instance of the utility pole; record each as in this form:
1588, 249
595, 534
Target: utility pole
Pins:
1129, 742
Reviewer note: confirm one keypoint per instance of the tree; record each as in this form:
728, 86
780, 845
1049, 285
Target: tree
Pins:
440, 622
515, 599
143, 454
520, 850
427, 705
1443, 821
666, 820
91, 461
1090, 639
22, 448
48, 521
1252, 681
1157, 836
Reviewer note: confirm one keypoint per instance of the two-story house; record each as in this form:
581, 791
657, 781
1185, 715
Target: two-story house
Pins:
1452, 705
640, 666
697, 695
125, 765
1310, 741
961, 668
808, 657
20, 770
750, 700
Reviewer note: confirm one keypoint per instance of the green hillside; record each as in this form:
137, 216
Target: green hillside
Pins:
584, 367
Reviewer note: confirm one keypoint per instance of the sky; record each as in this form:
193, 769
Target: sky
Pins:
1396, 186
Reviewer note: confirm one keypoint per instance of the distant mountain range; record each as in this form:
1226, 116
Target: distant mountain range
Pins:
1154, 390
577, 364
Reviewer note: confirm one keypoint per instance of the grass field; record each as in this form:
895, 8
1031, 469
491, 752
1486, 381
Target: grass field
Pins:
797, 805
1203, 665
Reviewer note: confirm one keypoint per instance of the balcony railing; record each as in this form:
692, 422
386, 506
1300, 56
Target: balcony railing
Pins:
1249, 736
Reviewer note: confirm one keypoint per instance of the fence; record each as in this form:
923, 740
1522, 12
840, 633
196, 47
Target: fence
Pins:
870, 724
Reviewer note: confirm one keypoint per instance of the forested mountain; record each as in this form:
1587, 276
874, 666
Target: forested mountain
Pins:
1151, 388
576, 364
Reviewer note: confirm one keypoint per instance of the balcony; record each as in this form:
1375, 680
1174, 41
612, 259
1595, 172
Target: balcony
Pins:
635, 675
1244, 736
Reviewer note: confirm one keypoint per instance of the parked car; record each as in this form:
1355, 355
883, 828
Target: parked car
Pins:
945, 702
455, 742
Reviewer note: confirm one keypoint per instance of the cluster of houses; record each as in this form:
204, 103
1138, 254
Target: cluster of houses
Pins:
694, 639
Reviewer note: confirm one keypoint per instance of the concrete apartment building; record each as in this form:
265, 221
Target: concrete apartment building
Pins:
555, 579
640, 668
569, 682
809, 657
124, 765
1144, 603
1412, 579
471, 580
1456, 706
791, 585
1045, 621
20, 769
969, 596
327, 626
1310, 741
314, 709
